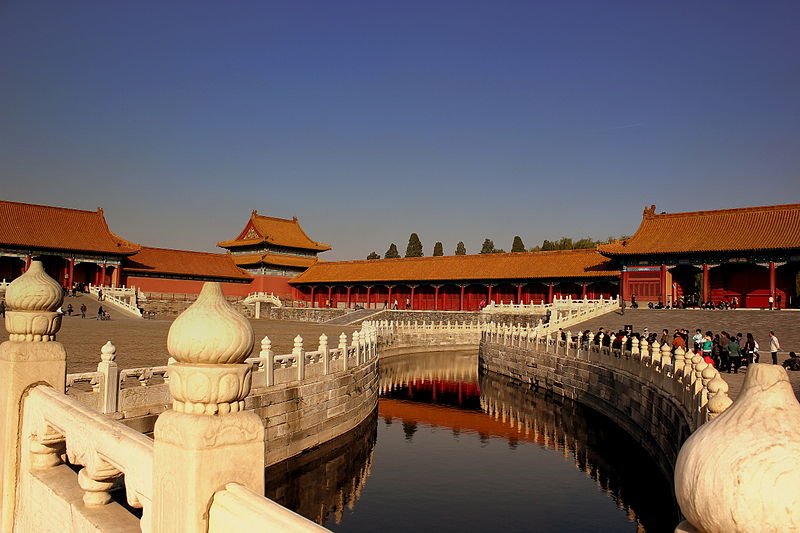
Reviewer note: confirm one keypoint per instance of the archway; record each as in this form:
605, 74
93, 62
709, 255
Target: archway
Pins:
687, 283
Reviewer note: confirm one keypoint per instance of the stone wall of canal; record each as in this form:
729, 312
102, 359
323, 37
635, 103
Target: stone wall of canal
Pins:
657, 420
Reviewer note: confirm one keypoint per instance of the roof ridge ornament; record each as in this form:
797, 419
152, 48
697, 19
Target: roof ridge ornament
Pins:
649, 212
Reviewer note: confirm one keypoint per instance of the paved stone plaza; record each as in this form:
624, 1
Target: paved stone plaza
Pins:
786, 325
142, 343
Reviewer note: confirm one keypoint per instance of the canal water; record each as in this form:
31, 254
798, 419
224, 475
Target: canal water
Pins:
449, 449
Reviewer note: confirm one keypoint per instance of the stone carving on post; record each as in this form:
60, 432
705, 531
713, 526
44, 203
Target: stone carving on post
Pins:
267, 362
343, 349
207, 439
740, 471
30, 356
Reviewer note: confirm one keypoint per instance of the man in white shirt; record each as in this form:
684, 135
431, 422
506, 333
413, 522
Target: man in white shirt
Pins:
774, 346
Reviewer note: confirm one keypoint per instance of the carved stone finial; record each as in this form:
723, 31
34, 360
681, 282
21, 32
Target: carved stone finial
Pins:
108, 352
266, 345
750, 449
210, 331
32, 300
210, 340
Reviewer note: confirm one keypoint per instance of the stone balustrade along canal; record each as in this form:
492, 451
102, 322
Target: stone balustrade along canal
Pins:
179, 480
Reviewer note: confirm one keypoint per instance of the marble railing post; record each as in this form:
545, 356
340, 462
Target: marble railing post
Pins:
207, 439
343, 349
267, 361
30, 357
300, 357
323, 353
109, 379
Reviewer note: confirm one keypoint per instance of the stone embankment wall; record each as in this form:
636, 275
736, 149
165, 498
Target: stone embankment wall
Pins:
170, 308
300, 314
658, 421
429, 341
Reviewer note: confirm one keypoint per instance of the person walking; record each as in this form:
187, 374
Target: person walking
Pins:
724, 341
735, 353
83, 310
774, 346
750, 349
771, 302
100, 313
2, 308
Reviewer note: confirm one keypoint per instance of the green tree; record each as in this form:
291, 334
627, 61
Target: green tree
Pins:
438, 249
461, 249
392, 252
547, 245
517, 245
488, 247
414, 248
373, 255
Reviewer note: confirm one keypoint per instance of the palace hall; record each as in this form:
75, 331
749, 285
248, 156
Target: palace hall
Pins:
747, 254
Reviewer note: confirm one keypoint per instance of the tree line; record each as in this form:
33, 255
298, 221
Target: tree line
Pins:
415, 249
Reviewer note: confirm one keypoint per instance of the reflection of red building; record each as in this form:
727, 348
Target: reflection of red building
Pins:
75, 246
748, 253
460, 282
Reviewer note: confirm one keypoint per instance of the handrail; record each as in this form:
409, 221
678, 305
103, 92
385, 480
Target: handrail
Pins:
113, 299
239, 508
104, 448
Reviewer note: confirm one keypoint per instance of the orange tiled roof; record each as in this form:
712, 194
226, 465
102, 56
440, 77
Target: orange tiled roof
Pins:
273, 259
277, 231
184, 263
59, 228
523, 265
774, 227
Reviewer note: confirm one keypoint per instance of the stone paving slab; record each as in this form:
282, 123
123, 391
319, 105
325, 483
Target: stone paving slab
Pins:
786, 325
142, 343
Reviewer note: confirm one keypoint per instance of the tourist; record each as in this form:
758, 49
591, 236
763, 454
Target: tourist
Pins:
385, 304
793, 363
697, 340
83, 310
724, 341
771, 301
708, 345
664, 337
100, 313
735, 354
100, 295
408, 303
709, 360
774, 346
394, 304
715, 351
2, 308
69, 309
678, 342
778, 301
750, 349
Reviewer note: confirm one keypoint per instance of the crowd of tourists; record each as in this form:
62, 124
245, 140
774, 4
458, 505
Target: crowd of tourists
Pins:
693, 301
728, 352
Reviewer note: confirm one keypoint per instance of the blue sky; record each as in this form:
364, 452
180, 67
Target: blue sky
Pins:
458, 120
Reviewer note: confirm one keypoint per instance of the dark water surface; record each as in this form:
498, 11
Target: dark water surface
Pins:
451, 450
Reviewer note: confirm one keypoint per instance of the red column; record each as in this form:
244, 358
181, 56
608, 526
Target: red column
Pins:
623, 284
115, 276
489, 299
583, 291
550, 293
705, 282
772, 279
412, 296
435, 297
389, 298
313, 304
330, 295
461, 299
348, 296
662, 277
102, 275
71, 280
369, 293
519, 293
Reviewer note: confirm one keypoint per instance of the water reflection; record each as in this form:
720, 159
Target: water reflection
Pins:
455, 449
321, 483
